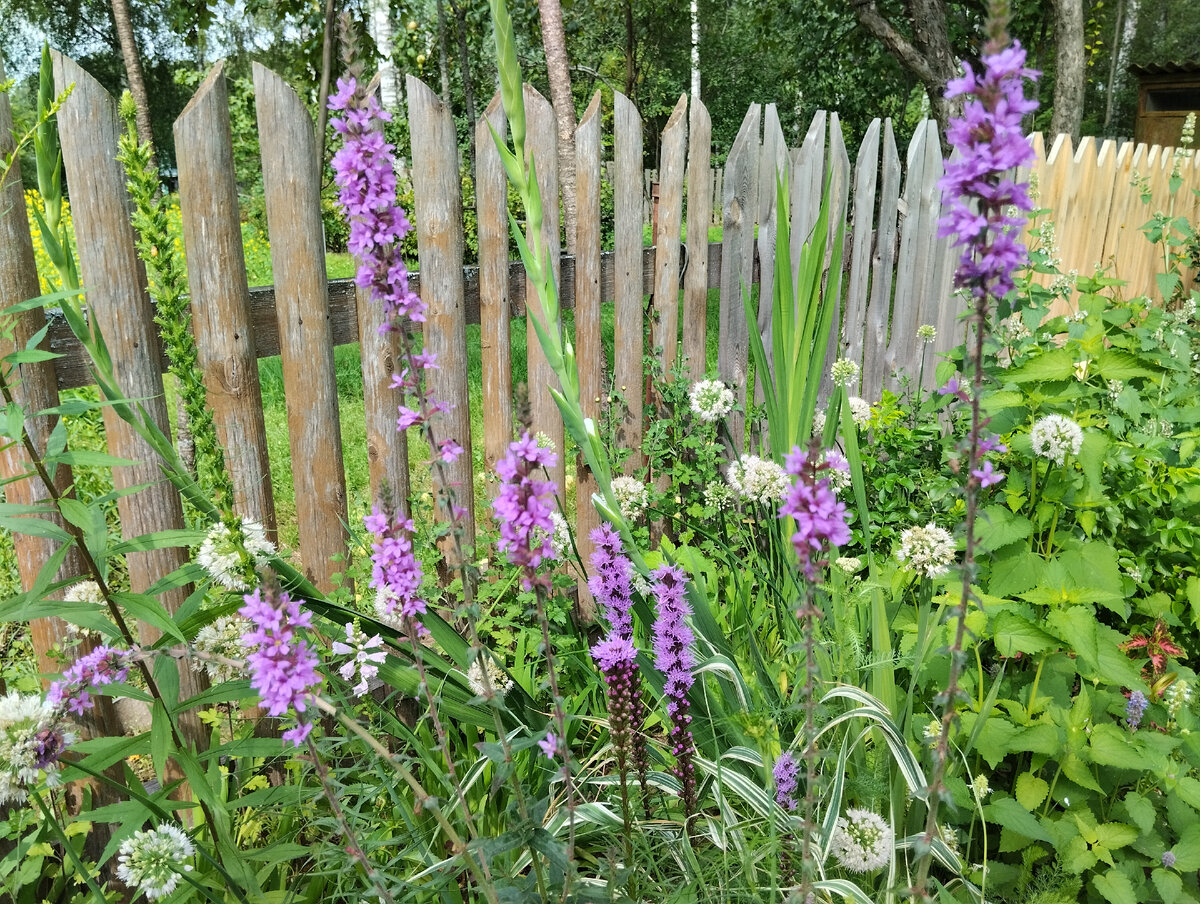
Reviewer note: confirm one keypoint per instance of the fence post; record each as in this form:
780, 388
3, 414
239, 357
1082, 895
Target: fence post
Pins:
673, 156
699, 214
772, 164
212, 237
437, 194
589, 346
122, 311
839, 196
292, 190
628, 286
737, 263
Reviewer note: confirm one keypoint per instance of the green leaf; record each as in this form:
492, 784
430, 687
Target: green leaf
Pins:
1115, 886
1008, 813
1091, 460
1115, 364
151, 611
1168, 884
160, 738
1014, 634
1110, 746
1031, 791
1187, 849
1040, 737
1055, 364
89, 458
998, 527
1077, 626
1115, 835
1141, 811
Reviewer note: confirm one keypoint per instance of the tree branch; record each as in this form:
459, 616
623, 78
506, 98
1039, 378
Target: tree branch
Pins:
910, 58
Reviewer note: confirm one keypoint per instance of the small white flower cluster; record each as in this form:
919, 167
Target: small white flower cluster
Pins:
711, 400
31, 740
1055, 437
844, 372
929, 549
365, 654
862, 841
932, 733
561, 538
151, 861
1012, 329
818, 423
1176, 697
838, 472
860, 411
496, 677
848, 564
1114, 390
758, 479
632, 496
220, 554
222, 639
720, 497
927, 333
544, 441
981, 787
83, 592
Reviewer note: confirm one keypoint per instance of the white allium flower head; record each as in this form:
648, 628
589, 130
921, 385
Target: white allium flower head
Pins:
848, 564
929, 549
711, 400
719, 496
84, 592
758, 479
222, 638
844, 372
632, 496
818, 423
31, 740
499, 681
1055, 437
860, 411
151, 861
365, 654
862, 841
927, 333
220, 555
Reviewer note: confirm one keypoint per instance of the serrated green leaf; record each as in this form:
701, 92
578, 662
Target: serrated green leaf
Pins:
1031, 791
1141, 811
1168, 884
1014, 634
1116, 364
998, 527
1007, 812
1110, 746
1115, 886
1055, 364
1187, 849
1115, 835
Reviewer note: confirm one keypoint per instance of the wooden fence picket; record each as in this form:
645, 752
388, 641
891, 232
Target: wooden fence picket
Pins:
437, 194
875, 334
807, 183
220, 299
699, 215
292, 192
773, 166
859, 239
839, 197
664, 328
629, 287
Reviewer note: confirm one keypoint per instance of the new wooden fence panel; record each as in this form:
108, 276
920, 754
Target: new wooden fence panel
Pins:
589, 347
292, 192
36, 390
737, 262
861, 234
628, 289
220, 299
839, 196
1126, 245
875, 334
491, 201
542, 150
699, 213
673, 158
437, 196
773, 166
121, 309
1118, 231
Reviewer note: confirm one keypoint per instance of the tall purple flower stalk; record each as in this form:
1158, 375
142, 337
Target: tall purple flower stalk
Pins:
674, 658
104, 665
617, 658
980, 193
820, 518
283, 668
611, 582
523, 508
395, 571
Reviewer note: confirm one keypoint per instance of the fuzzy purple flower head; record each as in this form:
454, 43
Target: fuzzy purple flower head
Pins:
283, 668
820, 518
523, 506
978, 189
104, 665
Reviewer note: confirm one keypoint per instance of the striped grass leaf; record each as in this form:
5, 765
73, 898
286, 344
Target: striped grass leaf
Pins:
844, 887
870, 708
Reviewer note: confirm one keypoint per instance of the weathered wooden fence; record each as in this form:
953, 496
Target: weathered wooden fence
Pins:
898, 275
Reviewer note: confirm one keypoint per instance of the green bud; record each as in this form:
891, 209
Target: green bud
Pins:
127, 109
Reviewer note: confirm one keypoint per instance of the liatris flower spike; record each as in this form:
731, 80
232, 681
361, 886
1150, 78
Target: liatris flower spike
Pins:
611, 582
673, 657
786, 774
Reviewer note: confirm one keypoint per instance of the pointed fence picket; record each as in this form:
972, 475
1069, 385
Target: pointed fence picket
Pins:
898, 275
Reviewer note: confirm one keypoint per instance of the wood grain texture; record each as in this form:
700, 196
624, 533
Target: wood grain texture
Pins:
34, 388
673, 158
932, 307
700, 182
589, 347
861, 235
629, 289
875, 334
808, 183
292, 191
839, 196
120, 307
906, 302
437, 194
220, 300
542, 152
491, 205
773, 166
737, 260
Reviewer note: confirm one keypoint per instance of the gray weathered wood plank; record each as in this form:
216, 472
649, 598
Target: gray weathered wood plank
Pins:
866, 176
773, 165
909, 281
292, 192
699, 213
629, 288
808, 183
672, 157
882, 268
839, 195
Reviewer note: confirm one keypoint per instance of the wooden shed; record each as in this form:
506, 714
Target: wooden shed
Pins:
1167, 93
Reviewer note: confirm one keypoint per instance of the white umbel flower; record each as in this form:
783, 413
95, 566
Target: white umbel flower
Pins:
711, 400
221, 557
632, 496
1055, 437
83, 592
758, 479
222, 639
31, 741
860, 411
862, 841
499, 682
152, 861
844, 372
929, 549
560, 539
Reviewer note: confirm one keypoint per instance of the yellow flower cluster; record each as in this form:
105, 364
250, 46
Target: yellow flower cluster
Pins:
47, 274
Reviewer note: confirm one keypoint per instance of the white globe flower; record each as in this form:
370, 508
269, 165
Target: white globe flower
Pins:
152, 861
711, 400
929, 549
1055, 437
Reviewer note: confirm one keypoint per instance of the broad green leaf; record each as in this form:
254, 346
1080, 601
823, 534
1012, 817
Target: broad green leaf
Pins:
1007, 812
1038, 738
1014, 634
1055, 364
1112, 746
994, 739
1141, 811
1115, 886
1168, 884
1077, 771
160, 738
1188, 790
1187, 849
1077, 626
1031, 791
1091, 460
1115, 364
1115, 835
998, 527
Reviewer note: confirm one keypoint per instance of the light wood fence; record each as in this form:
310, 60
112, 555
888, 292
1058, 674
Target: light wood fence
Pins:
899, 276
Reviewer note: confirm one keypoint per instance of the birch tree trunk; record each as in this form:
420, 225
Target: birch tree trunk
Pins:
558, 69
695, 51
1068, 68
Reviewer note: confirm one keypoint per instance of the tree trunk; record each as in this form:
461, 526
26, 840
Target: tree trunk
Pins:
443, 53
630, 45
464, 57
133, 72
558, 69
379, 24
695, 51
1068, 68
1123, 33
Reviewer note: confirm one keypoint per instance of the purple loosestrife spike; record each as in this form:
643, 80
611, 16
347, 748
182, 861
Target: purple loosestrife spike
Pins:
104, 665
978, 190
524, 504
820, 518
786, 773
673, 657
611, 580
396, 574
283, 668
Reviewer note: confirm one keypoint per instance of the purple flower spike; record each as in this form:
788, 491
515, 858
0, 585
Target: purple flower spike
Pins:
523, 504
1135, 709
611, 580
396, 573
673, 657
104, 665
820, 518
786, 773
283, 668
